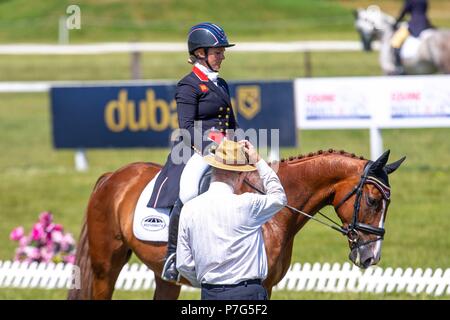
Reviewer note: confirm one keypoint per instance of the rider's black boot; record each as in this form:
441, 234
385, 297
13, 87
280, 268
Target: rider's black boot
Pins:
170, 272
399, 69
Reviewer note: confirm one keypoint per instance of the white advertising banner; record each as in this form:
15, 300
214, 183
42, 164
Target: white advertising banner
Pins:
364, 102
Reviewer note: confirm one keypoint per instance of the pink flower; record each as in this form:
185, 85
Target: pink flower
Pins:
69, 239
53, 227
70, 259
46, 254
24, 241
20, 254
38, 232
16, 234
45, 218
67, 242
57, 237
50, 246
46, 242
32, 253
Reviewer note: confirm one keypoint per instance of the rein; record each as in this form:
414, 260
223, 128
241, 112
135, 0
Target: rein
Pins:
352, 230
336, 227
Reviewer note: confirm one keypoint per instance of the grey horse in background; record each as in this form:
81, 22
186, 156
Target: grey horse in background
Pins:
430, 53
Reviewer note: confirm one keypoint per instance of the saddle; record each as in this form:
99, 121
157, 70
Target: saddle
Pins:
152, 224
205, 181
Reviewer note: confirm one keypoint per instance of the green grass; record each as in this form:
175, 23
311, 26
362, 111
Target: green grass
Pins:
257, 66
169, 20
162, 20
59, 294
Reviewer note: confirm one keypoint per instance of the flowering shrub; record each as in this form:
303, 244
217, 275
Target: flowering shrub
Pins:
46, 242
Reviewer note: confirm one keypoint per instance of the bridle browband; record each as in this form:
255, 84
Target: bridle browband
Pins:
352, 230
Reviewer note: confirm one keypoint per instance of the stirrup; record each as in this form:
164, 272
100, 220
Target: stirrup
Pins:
170, 272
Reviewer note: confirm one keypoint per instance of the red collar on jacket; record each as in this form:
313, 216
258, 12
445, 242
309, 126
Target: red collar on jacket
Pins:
200, 74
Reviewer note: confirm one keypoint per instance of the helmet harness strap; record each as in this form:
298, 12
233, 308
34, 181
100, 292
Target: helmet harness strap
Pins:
206, 59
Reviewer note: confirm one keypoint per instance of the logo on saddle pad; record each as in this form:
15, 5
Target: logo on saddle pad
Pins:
153, 223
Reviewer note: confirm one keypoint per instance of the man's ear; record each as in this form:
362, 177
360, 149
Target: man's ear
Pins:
240, 181
200, 53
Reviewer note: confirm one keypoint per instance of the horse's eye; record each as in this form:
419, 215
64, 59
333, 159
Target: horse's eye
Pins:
371, 201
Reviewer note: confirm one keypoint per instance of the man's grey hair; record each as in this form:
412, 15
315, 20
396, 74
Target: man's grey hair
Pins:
226, 176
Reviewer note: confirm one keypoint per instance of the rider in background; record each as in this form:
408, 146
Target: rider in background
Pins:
417, 23
203, 105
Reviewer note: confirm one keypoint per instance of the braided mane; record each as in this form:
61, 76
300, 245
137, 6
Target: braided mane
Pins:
320, 152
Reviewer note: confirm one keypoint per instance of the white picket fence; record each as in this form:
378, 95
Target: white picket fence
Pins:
300, 277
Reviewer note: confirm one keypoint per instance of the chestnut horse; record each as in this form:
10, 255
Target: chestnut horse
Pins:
357, 188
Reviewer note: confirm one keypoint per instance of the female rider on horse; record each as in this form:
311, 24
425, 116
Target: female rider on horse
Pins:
203, 105
417, 23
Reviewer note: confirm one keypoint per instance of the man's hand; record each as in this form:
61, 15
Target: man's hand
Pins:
250, 151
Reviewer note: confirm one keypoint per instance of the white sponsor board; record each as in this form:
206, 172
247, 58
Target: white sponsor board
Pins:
366, 102
373, 103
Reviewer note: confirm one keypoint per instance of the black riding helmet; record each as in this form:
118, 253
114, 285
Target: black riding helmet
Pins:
207, 35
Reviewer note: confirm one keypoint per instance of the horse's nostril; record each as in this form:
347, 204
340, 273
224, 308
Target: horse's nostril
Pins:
367, 262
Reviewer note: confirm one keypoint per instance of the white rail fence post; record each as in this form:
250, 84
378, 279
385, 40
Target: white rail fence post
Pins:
81, 161
376, 142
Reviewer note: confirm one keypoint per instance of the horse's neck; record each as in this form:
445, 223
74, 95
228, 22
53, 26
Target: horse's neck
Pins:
386, 58
386, 35
385, 28
310, 185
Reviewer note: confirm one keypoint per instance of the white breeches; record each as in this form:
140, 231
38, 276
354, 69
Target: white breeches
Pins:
190, 177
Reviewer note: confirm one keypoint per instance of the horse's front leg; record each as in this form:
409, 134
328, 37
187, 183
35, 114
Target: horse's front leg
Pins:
269, 292
165, 290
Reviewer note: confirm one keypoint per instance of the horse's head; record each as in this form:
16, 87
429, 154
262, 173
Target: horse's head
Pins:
370, 23
361, 203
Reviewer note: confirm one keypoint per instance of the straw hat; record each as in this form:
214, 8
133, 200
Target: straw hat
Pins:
229, 155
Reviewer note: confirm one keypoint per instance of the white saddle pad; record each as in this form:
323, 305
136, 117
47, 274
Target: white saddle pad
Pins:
410, 48
150, 224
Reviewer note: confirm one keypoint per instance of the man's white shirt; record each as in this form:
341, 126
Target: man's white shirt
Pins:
220, 237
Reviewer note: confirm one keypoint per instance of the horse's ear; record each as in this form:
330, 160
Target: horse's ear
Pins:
381, 161
355, 13
391, 167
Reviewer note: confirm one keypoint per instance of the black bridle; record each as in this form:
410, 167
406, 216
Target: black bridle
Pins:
353, 229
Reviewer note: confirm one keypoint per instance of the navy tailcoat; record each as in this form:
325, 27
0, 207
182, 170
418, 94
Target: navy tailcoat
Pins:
418, 11
198, 98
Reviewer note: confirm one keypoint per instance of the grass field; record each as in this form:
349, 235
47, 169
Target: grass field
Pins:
169, 20
34, 177
21, 294
159, 20
117, 66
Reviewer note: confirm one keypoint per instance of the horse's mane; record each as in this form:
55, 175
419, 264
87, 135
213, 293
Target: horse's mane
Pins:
321, 152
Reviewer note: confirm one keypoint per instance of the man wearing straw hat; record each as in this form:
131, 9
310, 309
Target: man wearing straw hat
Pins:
220, 241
